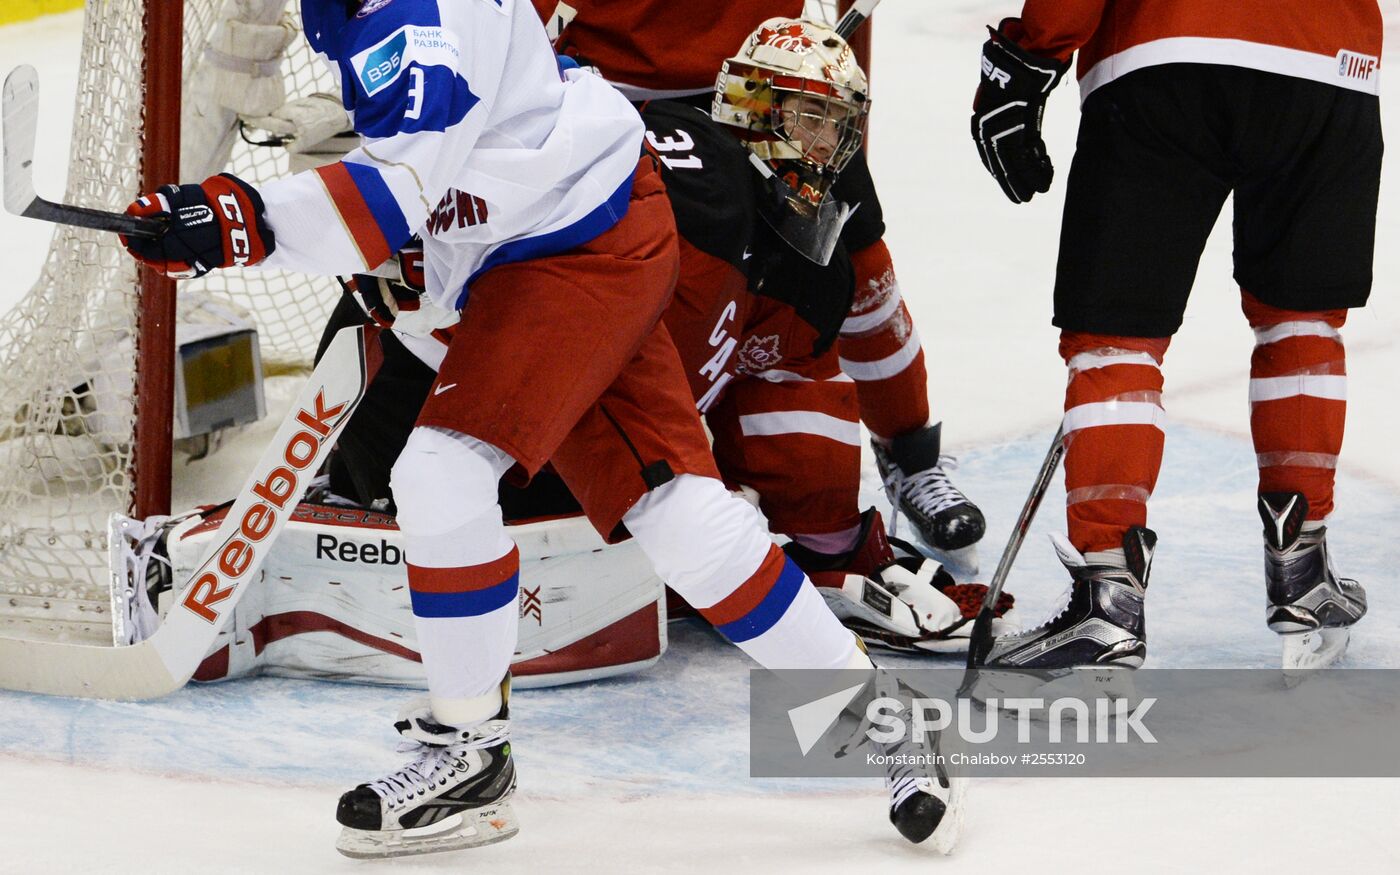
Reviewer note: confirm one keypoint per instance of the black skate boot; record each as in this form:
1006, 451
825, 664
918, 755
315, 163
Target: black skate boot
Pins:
1101, 625
1308, 605
926, 802
918, 486
454, 794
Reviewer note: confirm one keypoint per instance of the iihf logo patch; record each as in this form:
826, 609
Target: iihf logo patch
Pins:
1351, 65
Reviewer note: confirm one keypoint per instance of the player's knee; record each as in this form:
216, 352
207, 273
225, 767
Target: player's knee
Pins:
441, 481
703, 540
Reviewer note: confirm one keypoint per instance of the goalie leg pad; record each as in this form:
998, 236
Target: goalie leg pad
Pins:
332, 603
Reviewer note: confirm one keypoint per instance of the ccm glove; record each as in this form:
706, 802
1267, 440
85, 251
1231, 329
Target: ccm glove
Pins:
1006, 115
218, 223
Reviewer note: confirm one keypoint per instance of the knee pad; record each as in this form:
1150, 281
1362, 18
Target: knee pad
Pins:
702, 540
444, 480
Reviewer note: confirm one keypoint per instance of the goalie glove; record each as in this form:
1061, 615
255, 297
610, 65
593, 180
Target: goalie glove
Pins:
892, 596
218, 223
306, 124
1007, 112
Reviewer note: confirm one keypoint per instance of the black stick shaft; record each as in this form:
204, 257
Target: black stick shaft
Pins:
84, 217
854, 18
981, 640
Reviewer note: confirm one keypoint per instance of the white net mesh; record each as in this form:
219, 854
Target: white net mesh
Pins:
67, 359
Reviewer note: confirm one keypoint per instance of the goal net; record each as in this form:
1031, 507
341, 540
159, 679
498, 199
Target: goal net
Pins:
72, 371
68, 350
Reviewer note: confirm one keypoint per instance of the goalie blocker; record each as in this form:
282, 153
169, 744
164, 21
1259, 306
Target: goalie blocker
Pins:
332, 601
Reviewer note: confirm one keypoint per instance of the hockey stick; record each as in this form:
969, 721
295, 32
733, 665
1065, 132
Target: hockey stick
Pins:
855, 17
163, 663
980, 642
19, 107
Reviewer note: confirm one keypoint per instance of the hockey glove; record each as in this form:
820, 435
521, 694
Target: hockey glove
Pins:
1006, 115
218, 223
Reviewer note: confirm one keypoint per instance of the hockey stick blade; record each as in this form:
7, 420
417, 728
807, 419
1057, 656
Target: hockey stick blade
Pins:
855, 17
19, 111
163, 663
980, 641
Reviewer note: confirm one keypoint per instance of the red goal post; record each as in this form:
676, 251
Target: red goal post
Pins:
87, 357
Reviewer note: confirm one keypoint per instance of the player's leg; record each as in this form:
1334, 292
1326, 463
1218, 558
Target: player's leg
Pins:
1304, 242
880, 349
641, 460
793, 437
1147, 183
500, 398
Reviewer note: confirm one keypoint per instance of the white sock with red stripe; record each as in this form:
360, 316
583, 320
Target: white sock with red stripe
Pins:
712, 549
463, 570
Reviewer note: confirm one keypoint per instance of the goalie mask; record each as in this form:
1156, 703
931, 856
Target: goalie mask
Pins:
799, 97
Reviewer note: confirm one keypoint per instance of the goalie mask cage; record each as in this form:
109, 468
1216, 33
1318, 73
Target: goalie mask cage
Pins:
87, 356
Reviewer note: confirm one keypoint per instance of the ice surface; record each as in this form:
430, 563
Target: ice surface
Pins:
649, 773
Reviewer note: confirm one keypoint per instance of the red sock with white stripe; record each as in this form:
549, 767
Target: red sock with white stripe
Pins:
880, 349
1297, 400
1113, 434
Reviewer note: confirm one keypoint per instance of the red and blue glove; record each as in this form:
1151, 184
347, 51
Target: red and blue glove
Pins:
218, 223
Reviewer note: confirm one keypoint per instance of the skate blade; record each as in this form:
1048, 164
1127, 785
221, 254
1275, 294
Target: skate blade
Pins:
945, 837
961, 563
1318, 648
483, 826
959, 640
1088, 685
1108, 682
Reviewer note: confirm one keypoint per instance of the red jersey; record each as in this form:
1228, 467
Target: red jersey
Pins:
1337, 42
661, 48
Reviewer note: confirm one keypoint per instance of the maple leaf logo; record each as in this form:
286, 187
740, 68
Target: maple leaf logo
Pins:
788, 38
759, 354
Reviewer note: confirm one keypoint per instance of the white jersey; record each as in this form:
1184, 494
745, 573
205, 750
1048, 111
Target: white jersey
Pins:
471, 138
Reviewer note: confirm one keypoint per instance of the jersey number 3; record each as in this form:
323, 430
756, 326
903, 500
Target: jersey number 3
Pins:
681, 142
415, 93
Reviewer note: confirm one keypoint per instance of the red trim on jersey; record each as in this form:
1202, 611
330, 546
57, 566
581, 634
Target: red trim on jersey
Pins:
355, 212
1100, 29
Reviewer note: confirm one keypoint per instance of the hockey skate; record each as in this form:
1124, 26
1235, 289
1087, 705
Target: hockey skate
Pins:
1310, 608
917, 484
1101, 624
892, 596
454, 794
926, 801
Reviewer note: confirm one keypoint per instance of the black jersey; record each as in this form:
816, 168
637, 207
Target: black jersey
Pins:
739, 280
